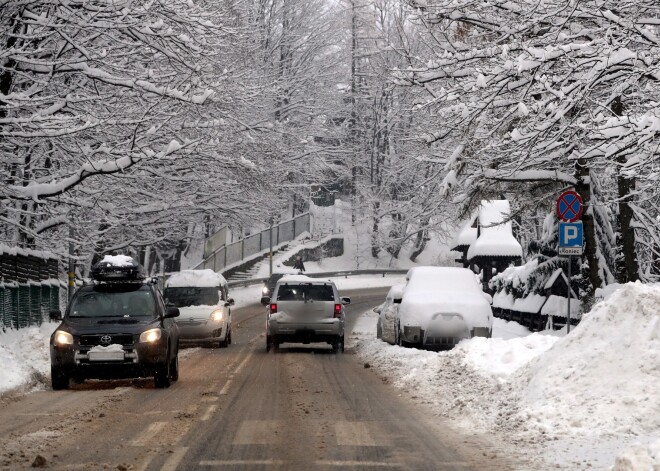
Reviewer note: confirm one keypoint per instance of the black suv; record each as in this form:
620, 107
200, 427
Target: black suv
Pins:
115, 327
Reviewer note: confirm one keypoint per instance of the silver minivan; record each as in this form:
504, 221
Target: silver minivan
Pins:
304, 310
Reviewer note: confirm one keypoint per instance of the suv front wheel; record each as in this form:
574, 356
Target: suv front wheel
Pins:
58, 379
162, 378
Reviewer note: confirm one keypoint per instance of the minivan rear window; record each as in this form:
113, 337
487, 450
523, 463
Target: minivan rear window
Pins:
305, 292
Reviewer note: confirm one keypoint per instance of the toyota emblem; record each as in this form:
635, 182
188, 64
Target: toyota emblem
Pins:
106, 339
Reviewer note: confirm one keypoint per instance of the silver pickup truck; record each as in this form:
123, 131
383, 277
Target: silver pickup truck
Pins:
305, 310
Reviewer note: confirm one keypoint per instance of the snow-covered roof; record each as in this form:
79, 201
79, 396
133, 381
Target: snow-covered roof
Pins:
298, 279
532, 303
558, 305
466, 236
118, 260
496, 236
199, 278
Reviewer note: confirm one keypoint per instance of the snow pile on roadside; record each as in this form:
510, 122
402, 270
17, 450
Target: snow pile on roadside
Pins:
639, 458
468, 383
500, 358
568, 401
605, 376
25, 357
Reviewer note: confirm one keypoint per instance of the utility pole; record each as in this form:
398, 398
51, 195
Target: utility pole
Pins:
270, 243
72, 265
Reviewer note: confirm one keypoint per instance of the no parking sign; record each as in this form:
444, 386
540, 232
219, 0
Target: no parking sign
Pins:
569, 206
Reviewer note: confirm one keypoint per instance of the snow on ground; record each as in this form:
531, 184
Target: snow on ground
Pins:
569, 402
25, 358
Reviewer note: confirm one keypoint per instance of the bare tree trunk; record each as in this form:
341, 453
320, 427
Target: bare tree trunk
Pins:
375, 246
627, 266
583, 187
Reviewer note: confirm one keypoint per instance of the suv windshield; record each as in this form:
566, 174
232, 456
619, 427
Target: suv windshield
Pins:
305, 292
113, 300
191, 296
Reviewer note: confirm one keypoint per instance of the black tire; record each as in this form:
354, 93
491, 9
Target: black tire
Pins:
58, 379
174, 368
162, 377
269, 343
276, 346
379, 331
229, 337
397, 336
338, 345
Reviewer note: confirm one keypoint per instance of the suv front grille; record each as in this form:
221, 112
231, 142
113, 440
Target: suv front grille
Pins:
93, 340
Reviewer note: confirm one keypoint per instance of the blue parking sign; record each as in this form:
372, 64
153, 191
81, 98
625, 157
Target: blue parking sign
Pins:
570, 238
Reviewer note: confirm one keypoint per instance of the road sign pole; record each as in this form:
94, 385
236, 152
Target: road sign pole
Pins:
568, 310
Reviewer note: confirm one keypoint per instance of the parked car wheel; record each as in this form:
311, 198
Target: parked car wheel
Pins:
58, 379
379, 331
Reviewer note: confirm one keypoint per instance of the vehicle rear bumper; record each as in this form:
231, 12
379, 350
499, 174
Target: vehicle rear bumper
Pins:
305, 332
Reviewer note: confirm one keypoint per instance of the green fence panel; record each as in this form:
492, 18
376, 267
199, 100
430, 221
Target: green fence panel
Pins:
54, 298
34, 316
4, 318
11, 301
23, 310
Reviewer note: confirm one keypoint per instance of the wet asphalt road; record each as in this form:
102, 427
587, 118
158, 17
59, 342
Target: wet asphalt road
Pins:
241, 408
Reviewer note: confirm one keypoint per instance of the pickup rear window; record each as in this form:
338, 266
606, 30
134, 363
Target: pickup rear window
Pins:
305, 292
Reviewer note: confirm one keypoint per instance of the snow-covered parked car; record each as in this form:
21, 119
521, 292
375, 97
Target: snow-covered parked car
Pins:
202, 297
442, 306
388, 314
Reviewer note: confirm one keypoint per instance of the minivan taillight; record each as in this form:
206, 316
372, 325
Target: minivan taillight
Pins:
273, 308
337, 310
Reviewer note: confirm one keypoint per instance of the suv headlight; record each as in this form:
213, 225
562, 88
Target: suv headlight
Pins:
217, 315
150, 335
63, 338
265, 290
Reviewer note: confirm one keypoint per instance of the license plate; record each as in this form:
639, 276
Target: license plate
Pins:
105, 356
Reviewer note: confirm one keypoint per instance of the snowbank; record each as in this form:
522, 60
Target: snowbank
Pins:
571, 402
605, 376
25, 357
639, 458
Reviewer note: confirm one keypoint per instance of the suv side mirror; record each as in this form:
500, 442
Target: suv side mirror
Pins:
230, 302
265, 300
55, 315
345, 300
488, 298
171, 312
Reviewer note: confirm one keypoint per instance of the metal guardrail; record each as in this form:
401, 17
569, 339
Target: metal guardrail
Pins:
326, 274
231, 254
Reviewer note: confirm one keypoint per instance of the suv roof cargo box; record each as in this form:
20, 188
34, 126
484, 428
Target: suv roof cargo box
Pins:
117, 268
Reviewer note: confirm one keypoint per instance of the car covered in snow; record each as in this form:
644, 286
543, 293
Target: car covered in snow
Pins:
202, 297
115, 327
388, 314
442, 306
305, 310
